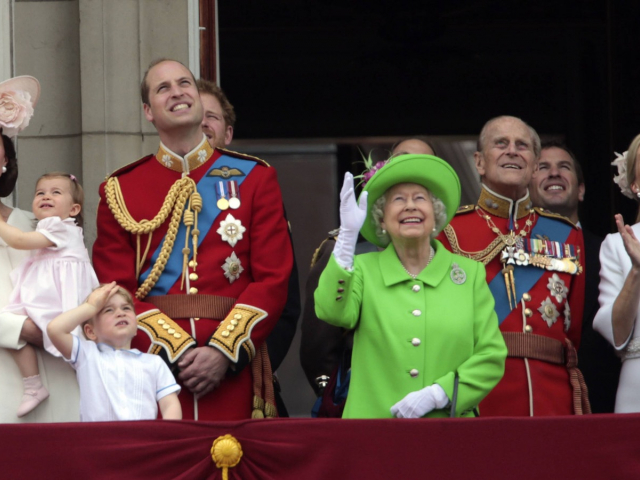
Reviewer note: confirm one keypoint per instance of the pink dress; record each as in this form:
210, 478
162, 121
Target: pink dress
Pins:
53, 279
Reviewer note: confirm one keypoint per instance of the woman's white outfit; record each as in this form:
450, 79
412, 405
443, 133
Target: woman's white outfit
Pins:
615, 265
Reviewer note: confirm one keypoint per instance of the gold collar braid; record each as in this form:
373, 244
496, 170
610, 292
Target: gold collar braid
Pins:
174, 203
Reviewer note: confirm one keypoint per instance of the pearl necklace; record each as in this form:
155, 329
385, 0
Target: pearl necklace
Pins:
431, 254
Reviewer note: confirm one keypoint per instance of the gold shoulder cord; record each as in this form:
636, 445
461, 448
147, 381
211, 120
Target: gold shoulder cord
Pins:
484, 256
174, 204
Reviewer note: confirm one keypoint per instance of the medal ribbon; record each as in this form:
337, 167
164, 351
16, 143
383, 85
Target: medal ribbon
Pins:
549, 249
221, 190
527, 277
210, 211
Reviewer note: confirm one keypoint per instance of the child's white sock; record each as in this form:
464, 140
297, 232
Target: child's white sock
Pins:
34, 393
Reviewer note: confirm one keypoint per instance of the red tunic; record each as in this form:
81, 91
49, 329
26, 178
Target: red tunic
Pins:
529, 386
255, 298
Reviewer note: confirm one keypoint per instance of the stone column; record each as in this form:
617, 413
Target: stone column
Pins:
89, 56
46, 45
118, 39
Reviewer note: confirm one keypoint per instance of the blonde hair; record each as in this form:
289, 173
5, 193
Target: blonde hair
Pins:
77, 192
632, 156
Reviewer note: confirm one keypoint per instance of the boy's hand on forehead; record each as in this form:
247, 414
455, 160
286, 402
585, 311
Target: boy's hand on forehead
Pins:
101, 295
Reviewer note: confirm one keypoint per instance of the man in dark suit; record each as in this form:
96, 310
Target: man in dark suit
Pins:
558, 185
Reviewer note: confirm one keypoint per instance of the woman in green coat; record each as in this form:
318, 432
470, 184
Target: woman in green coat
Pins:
422, 316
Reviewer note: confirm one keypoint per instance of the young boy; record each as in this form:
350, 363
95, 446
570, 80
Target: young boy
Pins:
116, 383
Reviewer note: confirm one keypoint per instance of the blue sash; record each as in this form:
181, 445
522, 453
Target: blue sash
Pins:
210, 211
526, 277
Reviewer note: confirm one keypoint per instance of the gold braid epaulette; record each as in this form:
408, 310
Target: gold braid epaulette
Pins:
244, 156
485, 256
333, 235
548, 213
174, 203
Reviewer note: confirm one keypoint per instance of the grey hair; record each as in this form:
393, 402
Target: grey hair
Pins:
377, 214
535, 138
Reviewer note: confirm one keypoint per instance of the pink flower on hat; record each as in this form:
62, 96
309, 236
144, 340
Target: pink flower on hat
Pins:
366, 176
16, 111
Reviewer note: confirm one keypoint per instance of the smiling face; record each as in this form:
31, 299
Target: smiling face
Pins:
115, 325
174, 102
408, 213
507, 159
213, 123
554, 184
53, 198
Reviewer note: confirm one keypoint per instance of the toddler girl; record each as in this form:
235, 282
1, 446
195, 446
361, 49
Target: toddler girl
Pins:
56, 277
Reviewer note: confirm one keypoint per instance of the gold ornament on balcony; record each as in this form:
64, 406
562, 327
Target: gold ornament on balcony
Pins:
226, 452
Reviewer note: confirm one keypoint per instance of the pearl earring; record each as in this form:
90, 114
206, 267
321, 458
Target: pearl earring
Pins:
384, 232
638, 194
434, 229
4, 169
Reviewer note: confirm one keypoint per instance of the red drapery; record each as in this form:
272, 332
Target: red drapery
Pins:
595, 446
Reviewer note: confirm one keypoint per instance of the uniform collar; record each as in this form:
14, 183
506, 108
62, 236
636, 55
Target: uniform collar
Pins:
504, 207
192, 160
393, 272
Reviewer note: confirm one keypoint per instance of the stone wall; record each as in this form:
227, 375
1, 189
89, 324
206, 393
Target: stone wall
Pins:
89, 56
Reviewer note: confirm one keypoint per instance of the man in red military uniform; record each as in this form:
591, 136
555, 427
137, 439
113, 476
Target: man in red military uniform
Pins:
533, 261
199, 235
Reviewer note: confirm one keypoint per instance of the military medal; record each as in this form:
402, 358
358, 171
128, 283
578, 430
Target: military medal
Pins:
231, 230
567, 317
508, 259
549, 312
557, 288
512, 253
555, 256
223, 203
234, 197
516, 250
232, 267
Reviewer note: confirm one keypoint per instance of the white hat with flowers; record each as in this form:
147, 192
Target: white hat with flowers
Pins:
621, 178
18, 97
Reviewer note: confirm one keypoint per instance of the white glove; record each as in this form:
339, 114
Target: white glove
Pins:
418, 404
352, 216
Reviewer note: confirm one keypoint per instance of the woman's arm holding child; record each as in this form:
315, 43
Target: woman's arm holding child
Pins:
16, 238
170, 407
60, 328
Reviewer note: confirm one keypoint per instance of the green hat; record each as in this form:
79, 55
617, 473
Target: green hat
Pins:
431, 172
